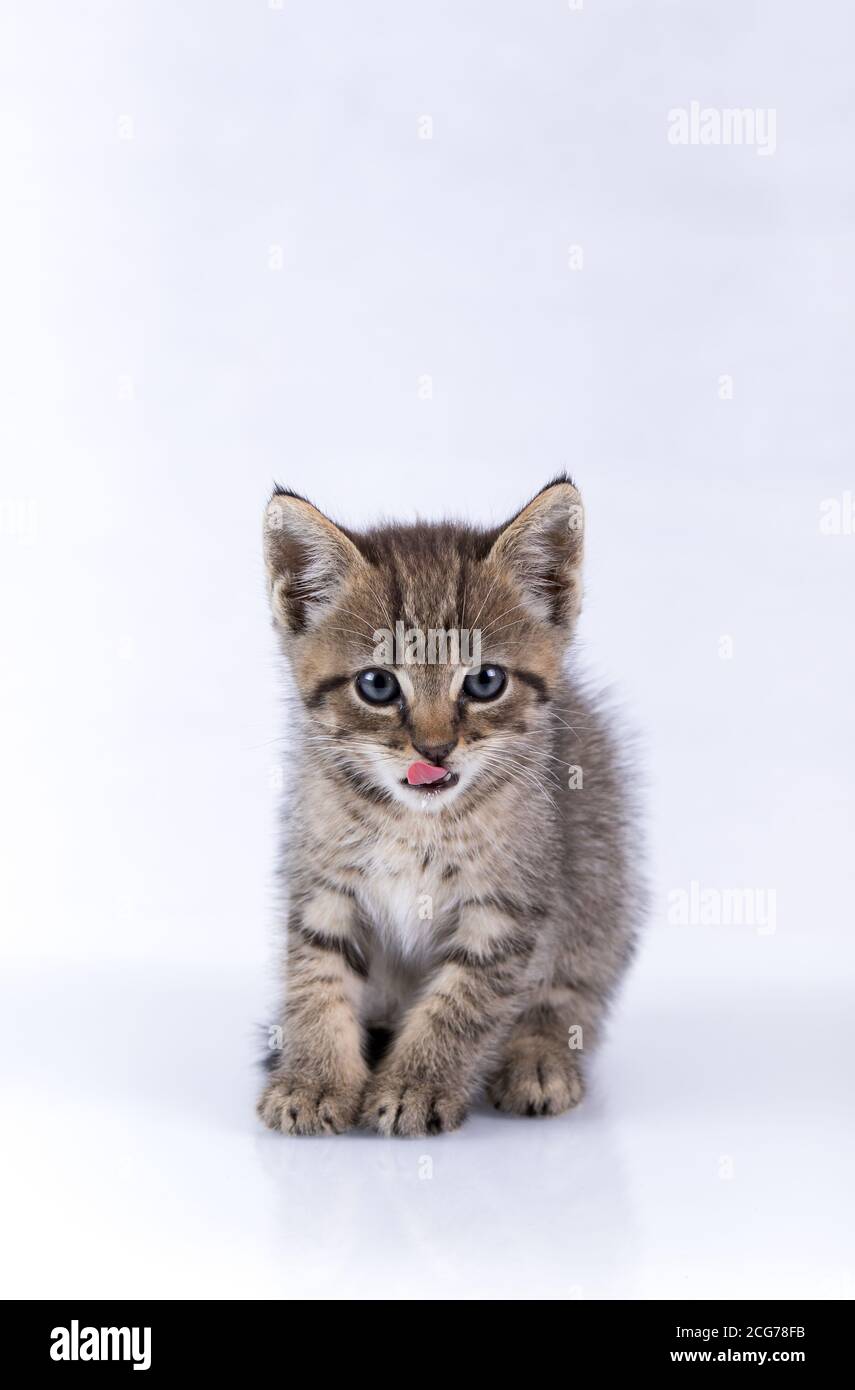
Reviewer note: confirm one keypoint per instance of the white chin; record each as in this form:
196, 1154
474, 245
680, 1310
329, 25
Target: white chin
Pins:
428, 803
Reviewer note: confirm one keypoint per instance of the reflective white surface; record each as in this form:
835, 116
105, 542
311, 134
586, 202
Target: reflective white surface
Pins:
713, 1157
228, 256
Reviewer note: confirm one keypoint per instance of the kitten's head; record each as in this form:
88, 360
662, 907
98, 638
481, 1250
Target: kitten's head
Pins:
426, 646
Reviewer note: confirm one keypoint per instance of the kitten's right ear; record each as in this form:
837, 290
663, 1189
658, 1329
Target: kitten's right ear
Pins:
308, 560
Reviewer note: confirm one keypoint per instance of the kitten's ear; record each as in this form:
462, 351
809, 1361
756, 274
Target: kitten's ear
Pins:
542, 546
308, 560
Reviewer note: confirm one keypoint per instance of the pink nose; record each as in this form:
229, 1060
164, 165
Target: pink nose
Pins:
420, 774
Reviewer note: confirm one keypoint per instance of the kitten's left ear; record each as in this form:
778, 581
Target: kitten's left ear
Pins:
542, 545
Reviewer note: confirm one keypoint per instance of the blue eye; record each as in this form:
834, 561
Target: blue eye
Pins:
486, 683
377, 687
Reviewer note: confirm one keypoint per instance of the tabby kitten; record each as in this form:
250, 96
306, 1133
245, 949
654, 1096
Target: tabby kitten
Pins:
461, 869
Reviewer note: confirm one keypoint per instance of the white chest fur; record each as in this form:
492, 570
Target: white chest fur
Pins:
405, 896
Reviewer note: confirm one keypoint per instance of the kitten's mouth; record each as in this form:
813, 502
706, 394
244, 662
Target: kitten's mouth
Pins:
426, 777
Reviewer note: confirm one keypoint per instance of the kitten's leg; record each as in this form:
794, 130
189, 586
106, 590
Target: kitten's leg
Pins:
318, 1082
448, 1039
540, 1073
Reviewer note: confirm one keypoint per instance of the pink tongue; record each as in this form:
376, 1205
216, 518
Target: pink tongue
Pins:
420, 773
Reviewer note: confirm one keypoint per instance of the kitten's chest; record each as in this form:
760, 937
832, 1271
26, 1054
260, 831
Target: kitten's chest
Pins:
409, 894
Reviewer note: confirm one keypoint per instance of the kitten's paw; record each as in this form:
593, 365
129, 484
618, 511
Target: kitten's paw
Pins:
300, 1108
394, 1105
537, 1082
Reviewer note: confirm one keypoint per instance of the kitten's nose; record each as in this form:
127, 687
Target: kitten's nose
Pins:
435, 752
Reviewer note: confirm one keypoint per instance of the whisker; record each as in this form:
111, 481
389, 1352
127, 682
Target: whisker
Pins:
487, 630
353, 613
504, 628
529, 760
564, 723
351, 632
486, 596
383, 608
512, 776
515, 771
542, 752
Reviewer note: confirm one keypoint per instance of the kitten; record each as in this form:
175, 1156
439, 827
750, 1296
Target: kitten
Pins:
461, 866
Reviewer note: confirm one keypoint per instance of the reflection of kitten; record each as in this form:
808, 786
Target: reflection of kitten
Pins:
460, 866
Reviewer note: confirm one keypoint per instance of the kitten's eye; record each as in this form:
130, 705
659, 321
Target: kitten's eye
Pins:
377, 687
485, 684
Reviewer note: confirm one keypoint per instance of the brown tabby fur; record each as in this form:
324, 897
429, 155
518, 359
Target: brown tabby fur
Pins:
476, 926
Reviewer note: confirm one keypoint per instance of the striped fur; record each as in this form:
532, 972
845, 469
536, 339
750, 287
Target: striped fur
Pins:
481, 931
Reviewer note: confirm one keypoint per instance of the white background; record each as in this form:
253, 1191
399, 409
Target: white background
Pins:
158, 371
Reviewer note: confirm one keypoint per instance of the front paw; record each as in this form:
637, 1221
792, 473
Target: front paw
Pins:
397, 1104
537, 1081
301, 1107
